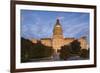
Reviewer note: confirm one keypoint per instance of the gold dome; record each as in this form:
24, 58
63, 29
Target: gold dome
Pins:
57, 29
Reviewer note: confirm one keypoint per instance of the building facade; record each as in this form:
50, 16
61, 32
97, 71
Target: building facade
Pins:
58, 39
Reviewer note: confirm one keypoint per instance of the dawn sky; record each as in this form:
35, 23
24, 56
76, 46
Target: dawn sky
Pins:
40, 24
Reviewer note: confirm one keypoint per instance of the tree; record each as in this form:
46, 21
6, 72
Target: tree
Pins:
31, 50
84, 53
75, 47
48, 51
40, 50
26, 47
65, 52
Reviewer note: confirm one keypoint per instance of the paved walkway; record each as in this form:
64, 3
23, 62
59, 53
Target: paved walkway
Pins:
56, 57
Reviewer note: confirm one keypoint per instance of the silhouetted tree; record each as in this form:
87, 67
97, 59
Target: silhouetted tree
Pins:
75, 47
40, 50
65, 52
84, 53
26, 47
31, 50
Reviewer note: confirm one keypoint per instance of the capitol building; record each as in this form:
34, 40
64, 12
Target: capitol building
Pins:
57, 40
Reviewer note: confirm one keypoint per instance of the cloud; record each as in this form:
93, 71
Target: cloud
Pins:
75, 30
39, 25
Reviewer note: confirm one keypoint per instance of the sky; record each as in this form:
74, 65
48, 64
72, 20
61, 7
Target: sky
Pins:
39, 24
